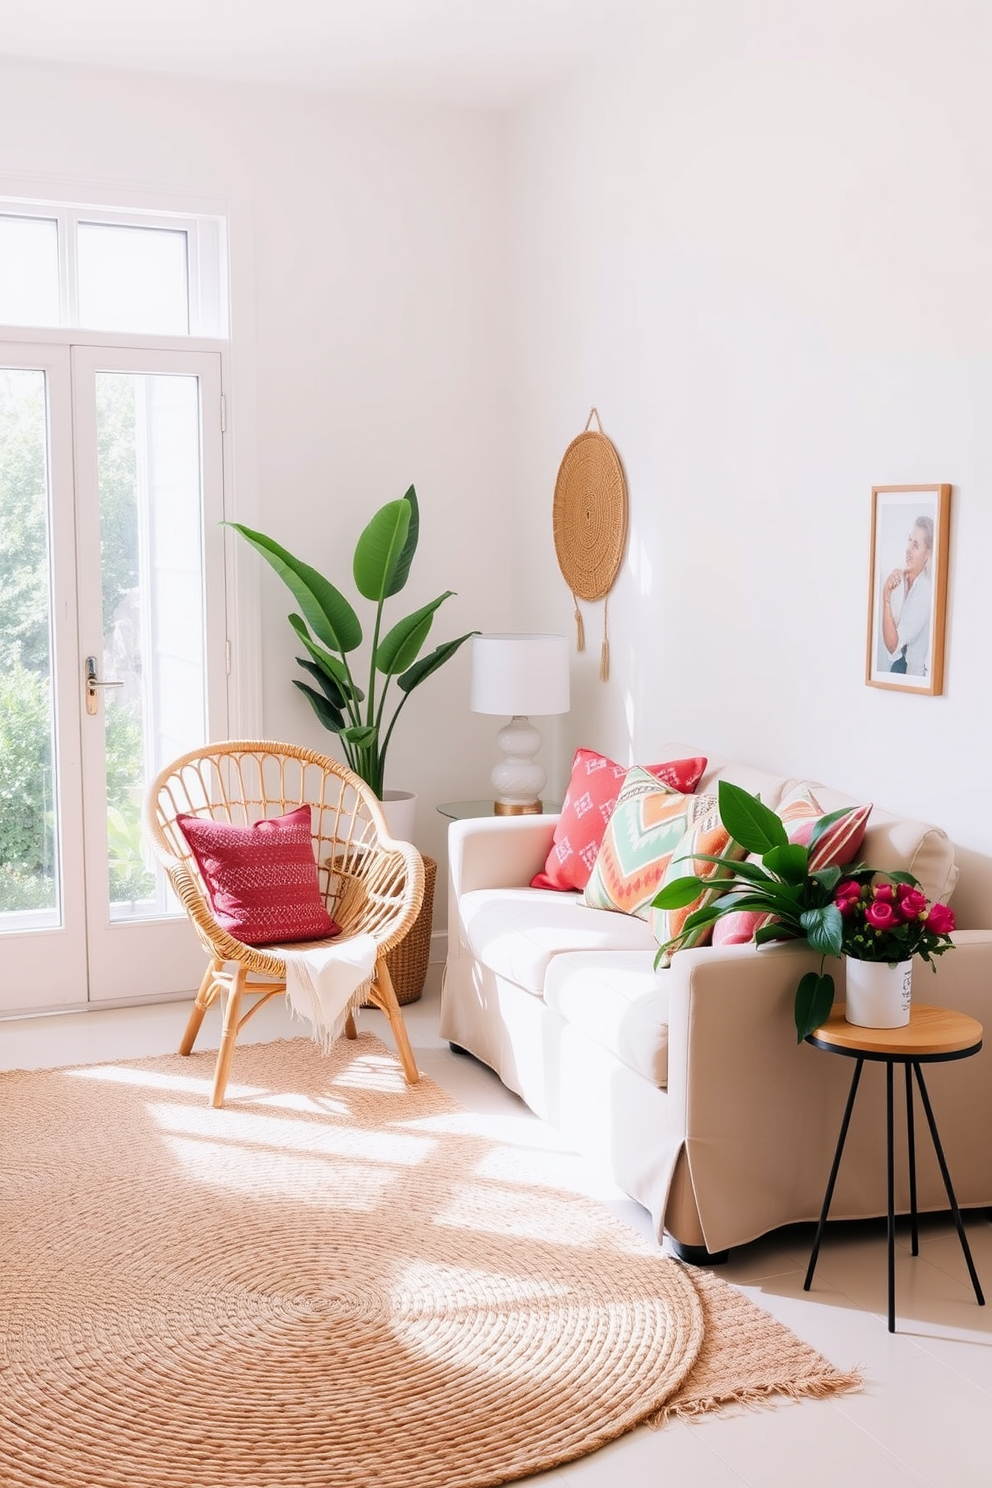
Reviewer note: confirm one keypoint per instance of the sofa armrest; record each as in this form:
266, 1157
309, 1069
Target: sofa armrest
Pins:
498, 852
761, 1113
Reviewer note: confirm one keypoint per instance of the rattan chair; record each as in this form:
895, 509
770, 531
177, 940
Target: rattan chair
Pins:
371, 884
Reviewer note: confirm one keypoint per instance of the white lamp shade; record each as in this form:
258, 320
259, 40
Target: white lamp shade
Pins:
519, 675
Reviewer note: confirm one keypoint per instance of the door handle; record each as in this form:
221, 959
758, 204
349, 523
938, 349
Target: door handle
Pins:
93, 682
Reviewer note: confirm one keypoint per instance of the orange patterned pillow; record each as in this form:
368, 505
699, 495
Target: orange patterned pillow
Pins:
648, 823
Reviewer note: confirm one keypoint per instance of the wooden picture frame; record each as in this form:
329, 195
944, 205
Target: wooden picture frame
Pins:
907, 588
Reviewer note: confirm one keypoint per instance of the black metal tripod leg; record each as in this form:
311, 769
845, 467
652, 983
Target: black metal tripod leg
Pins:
911, 1141
828, 1196
890, 1194
945, 1174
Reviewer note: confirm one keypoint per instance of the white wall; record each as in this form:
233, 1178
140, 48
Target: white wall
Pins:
760, 243
368, 255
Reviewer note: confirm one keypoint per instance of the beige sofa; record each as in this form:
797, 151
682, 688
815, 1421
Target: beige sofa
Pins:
688, 1082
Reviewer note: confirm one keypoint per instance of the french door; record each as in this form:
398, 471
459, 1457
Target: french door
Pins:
113, 656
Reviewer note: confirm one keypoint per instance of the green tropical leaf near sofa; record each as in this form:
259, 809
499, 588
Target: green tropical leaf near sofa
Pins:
328, 625
853, 911
782, 885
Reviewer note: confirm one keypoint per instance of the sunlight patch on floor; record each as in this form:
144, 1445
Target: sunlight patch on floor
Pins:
256, 1132
320, 1181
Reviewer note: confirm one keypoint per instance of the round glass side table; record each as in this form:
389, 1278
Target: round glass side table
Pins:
464, 810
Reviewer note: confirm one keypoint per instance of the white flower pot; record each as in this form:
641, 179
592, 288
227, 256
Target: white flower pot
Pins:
878, 994
400, 810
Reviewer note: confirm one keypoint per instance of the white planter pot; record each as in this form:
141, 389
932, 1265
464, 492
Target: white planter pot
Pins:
400, 810
878, 995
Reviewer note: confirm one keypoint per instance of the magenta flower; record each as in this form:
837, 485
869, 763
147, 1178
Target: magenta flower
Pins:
883, 893
911, 901
940, 919
881, 915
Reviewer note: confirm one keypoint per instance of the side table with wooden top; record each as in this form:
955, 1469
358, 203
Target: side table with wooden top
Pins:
933, 1035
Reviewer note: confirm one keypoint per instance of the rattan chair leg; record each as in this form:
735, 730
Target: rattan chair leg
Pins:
207, 994
350, 1031
385, 996
232, 1018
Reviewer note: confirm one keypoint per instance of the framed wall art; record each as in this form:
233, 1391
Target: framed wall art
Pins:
907, 597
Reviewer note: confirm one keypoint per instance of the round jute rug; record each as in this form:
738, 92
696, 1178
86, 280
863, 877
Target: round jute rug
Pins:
334, 1280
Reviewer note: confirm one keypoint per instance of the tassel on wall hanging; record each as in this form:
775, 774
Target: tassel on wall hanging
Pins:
590, 524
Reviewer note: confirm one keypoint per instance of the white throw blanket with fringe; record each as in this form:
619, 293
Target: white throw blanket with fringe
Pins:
325, 983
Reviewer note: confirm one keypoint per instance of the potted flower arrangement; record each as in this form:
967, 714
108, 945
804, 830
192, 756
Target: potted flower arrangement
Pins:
863, 914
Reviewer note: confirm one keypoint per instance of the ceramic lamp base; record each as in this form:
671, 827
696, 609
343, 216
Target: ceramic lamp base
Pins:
518, 779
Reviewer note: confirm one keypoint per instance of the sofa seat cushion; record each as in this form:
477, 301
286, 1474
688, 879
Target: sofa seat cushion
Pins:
617, 1000
518, 932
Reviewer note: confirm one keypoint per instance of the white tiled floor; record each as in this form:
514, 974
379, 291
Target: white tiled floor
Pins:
925, 1415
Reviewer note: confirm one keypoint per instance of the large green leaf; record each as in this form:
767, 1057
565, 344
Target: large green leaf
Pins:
329, 716
402, 570
814, 999
325, 609
362, 736
779, 930
824, 929
751, 823
677, 894
790, 862
329, 686
330, 665
401, 646
828, 878
430, 663
380, 549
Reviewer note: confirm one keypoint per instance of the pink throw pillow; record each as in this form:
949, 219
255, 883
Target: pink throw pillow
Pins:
839, 845
261, 880
588, 805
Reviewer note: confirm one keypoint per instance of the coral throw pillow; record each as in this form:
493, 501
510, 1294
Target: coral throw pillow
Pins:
588, 805
705, 835
839, 845
647, 825
261, 880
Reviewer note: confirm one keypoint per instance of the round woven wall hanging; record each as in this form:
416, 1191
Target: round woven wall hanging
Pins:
590, 523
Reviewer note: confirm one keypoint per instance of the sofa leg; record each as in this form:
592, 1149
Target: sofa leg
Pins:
698, 1255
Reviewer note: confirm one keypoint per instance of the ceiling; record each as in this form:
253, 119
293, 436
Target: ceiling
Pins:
482, 53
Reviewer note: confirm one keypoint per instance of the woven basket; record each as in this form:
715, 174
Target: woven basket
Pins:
408, 961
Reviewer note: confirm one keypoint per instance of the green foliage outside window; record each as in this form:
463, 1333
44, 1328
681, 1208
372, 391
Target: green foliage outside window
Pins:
27, 804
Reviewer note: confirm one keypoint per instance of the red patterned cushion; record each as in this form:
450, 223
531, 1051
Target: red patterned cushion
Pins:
261, 880
839, 845
589, 801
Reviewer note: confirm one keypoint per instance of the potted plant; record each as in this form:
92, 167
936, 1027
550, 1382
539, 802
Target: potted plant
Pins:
857, 912
330, 631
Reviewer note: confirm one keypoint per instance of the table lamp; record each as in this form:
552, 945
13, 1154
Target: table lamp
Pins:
518, 675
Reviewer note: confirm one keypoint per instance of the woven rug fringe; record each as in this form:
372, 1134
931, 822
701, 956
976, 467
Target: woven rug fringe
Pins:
816, 1387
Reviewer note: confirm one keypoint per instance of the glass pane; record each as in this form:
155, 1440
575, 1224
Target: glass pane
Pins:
148, 467
29, 877
29, 271
133, 279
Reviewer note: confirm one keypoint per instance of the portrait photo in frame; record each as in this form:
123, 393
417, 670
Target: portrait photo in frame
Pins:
907, 595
